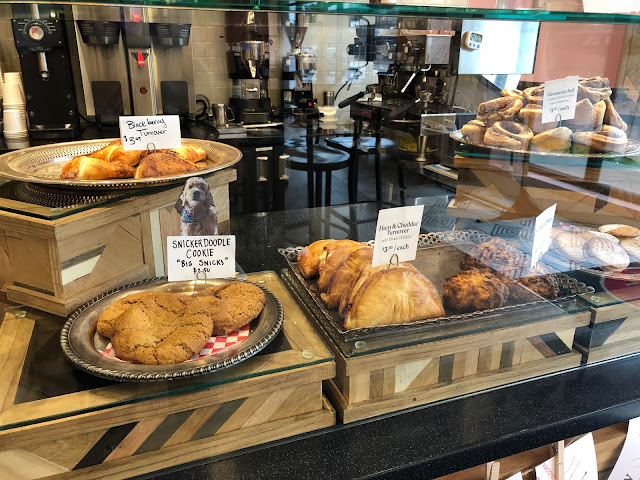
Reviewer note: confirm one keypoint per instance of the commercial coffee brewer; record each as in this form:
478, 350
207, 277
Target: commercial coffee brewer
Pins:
298, 67
103, 64
39, 33
248, 63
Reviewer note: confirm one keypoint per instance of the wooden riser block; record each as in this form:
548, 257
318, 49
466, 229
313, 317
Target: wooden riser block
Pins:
156, 450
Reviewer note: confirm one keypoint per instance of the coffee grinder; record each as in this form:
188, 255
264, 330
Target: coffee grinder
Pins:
298, 68
248, 63
40, 37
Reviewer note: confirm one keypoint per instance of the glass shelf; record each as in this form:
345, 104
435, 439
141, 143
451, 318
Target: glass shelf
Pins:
355, 8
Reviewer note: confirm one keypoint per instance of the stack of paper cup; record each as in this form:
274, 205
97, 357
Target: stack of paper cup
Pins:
14, 107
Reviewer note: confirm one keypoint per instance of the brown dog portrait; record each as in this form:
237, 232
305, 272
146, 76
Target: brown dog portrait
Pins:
197, 210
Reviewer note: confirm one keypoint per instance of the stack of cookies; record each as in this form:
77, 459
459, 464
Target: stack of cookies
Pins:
611, 247
160, 328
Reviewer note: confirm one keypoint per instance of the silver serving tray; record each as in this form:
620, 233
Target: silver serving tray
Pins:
632, 149
81, 342
435, 259
43, 164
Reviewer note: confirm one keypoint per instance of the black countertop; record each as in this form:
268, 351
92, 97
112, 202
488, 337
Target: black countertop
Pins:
428, 441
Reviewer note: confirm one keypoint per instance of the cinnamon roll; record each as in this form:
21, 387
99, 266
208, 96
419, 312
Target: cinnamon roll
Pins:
534, 94
531, 116
599, 109
511, 92
498, 109
609, 139
474, 131
611, 116
511, 135
554, 140
584, 117
594, 88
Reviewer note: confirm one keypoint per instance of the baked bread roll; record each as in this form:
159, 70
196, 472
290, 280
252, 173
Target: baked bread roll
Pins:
606, 254
309, 257
584, 118
594, 89
611, 116
89, 168
498, 109
512, 92
609, 139
620, 230
570, 246
336, 253
473, 290
632, 247
554, 140
510, 135
531, 116
534, 94
342, 275
163, 164
392, 296
474, 131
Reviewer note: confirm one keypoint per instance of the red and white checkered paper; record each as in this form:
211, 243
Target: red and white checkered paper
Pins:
214, 345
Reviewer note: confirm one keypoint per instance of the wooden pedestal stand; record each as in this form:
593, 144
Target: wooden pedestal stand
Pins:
57, 265
128, 429
614, 329
394, 379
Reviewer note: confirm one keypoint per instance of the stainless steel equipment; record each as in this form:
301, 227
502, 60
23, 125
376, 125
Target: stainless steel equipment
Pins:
298, 67
160, 60
248, 62
101, 50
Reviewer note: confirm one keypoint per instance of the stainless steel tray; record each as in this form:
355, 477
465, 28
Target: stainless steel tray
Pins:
81, 343
632, 149
43, 164
438, 257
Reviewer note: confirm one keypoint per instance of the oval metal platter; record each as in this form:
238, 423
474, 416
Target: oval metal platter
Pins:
43, 164
632, 150
81, 343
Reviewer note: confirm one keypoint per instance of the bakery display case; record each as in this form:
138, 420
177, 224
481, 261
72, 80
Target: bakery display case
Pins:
466, 110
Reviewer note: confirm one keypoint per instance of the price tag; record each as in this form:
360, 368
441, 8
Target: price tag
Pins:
559, 101
579, 462
148, 133
397, 233
628, 465
542, 234
191, 258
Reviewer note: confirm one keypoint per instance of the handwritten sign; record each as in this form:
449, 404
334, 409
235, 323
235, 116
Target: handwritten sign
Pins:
397, 233
579, 462
542, 234
193, 258
628, 465
149, 133
559, 99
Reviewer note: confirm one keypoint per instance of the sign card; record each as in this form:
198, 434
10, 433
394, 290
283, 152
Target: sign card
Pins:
559, 101
542, 234
191, 258
397, 233
517, 476
579, 462
628, 465
150, 133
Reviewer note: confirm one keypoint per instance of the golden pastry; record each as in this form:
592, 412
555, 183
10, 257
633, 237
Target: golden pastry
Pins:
334, 257
342, 275
89, 168
512, 92
611, 116
474, 131
531, 116
534, 94
498, 109
620, 231
474, 290
584, 117
554, 140
599, 110
594, 88
161, 164
511, 135
609, 139
309, 257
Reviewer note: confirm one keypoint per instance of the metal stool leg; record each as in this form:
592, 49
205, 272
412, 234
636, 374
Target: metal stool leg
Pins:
327, 188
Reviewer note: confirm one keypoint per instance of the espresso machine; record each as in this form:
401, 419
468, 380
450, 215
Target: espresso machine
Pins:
248, 65
40, 36
103, 66
298, 67
160, 62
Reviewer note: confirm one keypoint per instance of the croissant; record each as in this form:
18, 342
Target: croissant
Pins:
335, 254
161, 164
392, 296
114, 153
89, 168
343, 273
309, 257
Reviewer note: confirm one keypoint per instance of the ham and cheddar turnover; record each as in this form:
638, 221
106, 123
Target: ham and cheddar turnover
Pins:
112, 161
